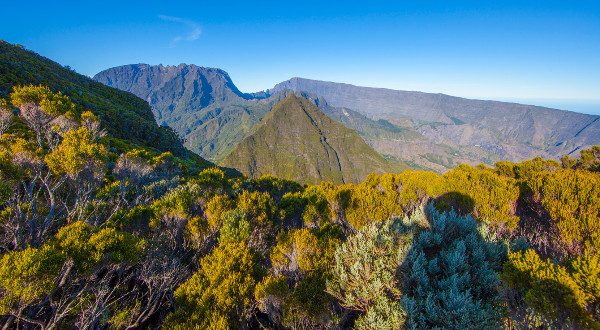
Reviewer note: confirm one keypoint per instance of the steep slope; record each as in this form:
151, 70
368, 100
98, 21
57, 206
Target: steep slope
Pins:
297, 141
123, 115
201, 104
458, 128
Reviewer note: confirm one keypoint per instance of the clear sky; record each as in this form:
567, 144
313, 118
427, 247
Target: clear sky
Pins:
548, 51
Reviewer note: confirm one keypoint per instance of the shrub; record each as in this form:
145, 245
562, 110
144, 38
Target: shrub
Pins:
450, 277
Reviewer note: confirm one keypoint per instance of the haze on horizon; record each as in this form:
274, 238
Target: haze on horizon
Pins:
544, 53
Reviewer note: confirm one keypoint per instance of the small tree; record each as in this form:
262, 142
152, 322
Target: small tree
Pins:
38, 106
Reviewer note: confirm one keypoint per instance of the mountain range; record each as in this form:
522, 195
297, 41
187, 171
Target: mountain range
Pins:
407, 128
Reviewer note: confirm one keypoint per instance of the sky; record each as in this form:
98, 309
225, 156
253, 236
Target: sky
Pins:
542, 52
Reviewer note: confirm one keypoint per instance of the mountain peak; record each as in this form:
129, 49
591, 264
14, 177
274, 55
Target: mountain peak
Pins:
297, 141
170, 87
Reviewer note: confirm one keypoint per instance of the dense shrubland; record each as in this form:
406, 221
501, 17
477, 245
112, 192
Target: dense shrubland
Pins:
98, 233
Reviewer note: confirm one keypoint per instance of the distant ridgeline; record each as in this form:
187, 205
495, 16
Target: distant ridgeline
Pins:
106, 229
409, 129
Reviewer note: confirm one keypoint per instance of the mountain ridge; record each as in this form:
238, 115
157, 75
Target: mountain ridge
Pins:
429, 130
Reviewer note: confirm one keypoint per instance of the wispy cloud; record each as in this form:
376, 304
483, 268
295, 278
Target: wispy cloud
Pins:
193, 33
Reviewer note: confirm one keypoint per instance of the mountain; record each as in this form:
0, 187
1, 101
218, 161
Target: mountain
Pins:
423, 130
122, 114
443, 130
201, 104
297, 141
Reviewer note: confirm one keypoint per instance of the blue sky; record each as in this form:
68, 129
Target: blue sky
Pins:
544, 51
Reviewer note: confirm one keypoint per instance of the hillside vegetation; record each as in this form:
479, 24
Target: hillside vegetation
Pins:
296, 141
123, 115
95, 235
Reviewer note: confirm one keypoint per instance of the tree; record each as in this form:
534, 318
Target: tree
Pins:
294, 293
44, 285
39, 107
493, 197
78, 152
236, 228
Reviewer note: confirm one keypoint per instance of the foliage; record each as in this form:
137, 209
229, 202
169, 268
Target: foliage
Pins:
450, 277
493, 197
77, 152
235, 227
365, 265
220, 293
560, 295
572, 200
385, 313
127, 118
51, 103
103, 216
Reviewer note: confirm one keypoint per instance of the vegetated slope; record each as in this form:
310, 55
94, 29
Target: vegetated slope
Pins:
297, 141
122, 114
201, 104
446, 129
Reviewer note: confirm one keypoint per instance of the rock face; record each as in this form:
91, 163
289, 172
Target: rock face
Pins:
201, 104
445, 130
297, 141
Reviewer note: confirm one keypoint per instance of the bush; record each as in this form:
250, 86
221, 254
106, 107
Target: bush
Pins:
450, 277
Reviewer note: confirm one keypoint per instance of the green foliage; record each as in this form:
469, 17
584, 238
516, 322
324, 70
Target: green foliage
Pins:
219, 294
77, 152
88, 246
259, 207
561, 296
385, 313
236, 228
215, 208
363, 277
572, 199
125, 116
28, 275
54, 104
180, 202
212, 179
450, 277
297, 250
333, 256
381, 197
493, 197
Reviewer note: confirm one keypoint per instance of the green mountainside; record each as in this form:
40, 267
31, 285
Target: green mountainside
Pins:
123, 115
297, 141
